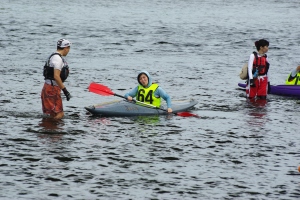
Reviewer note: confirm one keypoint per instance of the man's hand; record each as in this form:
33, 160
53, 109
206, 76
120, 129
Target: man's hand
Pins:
67, 94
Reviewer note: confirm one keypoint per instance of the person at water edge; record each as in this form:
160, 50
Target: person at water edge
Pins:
293, 78
56, 71
258, 85
148, 92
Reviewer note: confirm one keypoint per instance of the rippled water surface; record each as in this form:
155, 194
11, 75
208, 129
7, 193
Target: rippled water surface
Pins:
193, 49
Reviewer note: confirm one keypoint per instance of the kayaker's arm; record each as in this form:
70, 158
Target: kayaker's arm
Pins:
161, 93
295, 71
131, 94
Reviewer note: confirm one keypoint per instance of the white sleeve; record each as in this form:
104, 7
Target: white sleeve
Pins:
250, 66
294, 73
56, 62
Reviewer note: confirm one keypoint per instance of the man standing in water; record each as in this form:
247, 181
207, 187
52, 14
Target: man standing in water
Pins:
56, 71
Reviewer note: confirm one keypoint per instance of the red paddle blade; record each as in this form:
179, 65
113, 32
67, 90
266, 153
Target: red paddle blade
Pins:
187, 114
100, 89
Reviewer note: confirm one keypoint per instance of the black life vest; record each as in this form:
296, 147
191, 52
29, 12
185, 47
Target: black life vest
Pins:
260, 64
48, 71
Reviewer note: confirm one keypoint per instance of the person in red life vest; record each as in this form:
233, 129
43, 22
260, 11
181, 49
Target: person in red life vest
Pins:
258, 85
56, 71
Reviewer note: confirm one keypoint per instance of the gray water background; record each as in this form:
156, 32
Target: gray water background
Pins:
193, 49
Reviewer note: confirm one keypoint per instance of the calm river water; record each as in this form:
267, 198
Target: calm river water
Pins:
193, 49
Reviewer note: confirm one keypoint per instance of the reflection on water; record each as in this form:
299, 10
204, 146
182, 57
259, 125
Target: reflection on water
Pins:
51, 124
99, 120
257, 110
51, 129
151, 120
258, 103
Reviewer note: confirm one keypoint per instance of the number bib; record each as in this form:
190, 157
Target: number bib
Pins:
147, 95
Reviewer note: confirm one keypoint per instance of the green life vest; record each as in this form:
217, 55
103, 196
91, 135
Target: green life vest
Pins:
147, 95
293, 81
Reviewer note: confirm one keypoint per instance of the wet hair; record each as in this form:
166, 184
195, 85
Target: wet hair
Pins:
261, 43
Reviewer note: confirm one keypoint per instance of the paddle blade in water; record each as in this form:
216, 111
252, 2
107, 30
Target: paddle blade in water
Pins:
187, 114
100, 89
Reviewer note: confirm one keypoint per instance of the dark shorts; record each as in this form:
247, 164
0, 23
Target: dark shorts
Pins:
51, 100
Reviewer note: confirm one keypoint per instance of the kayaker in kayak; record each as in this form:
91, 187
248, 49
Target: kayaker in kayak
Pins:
258, 84
148, 92
293, 78
56, 71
